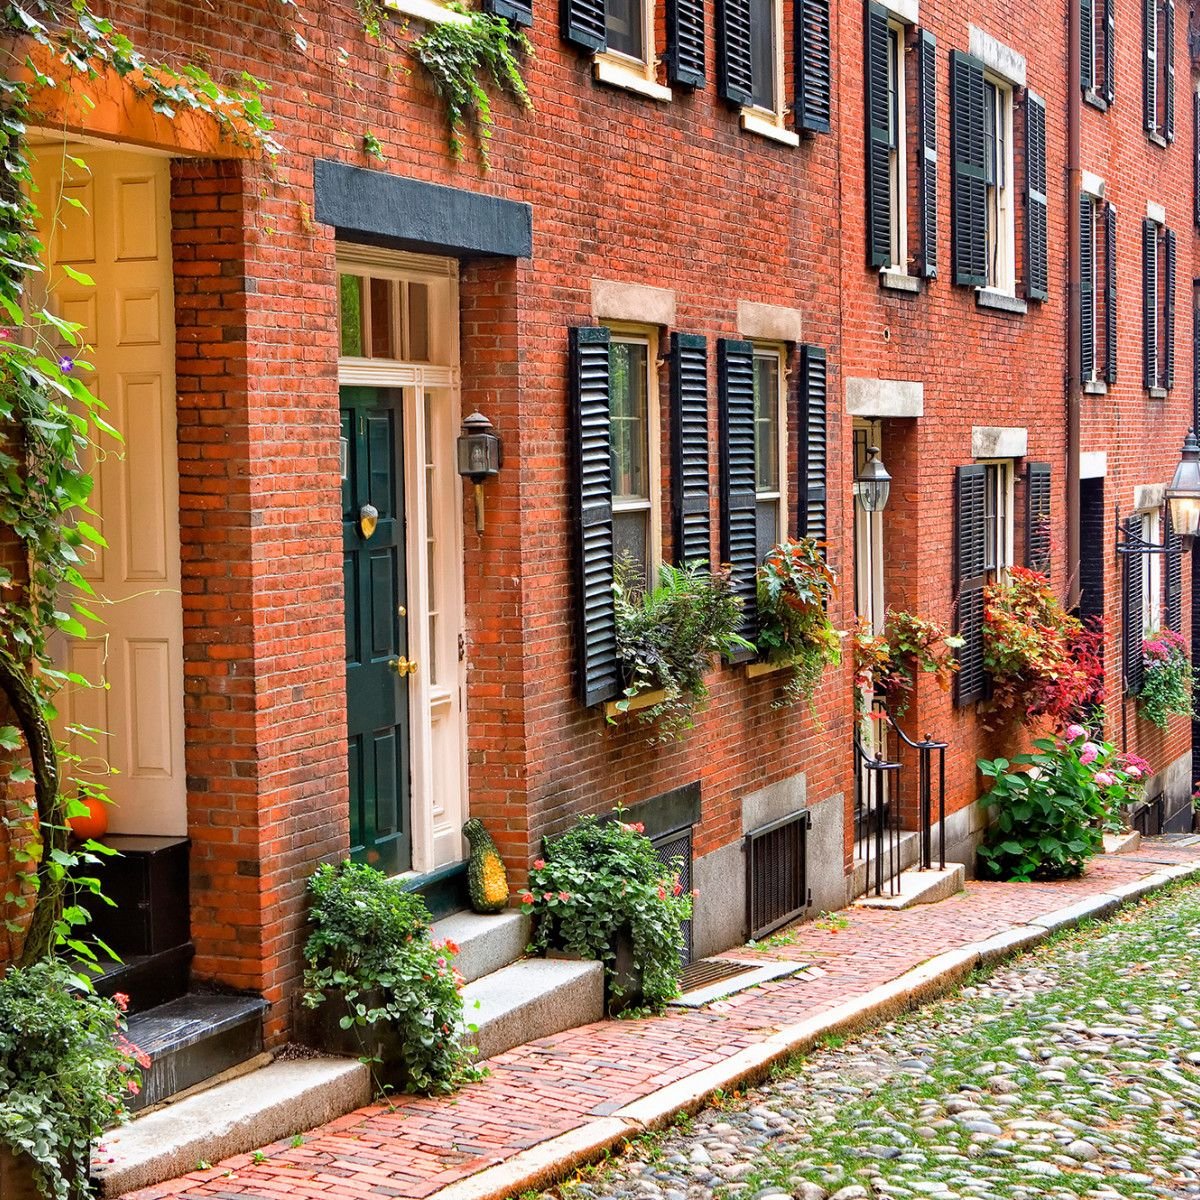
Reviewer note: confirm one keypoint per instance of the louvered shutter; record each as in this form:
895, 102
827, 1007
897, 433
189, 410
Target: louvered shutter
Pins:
1167, 53
812, 519
1150, 65
1110, 293
689, 447
1169, 311
1131, 617
970, 557
599, 672
685, 43
1087, 288
879, 149
814, 66
735, 78
1037, 251
582, 22
1173, 583
1110, 51
969, 200
1149, 304
739, 535
1087, 44
1037, 517
927, 162
518, 12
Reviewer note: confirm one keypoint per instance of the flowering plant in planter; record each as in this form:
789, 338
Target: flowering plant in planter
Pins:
669, 636
1050, 813
888, 663
795, 585
601, 882
66, 1072
1167, 683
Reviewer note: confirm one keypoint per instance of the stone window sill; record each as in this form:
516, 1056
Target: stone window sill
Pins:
756, 670
899, 281
1000, 301
1095, 387
1093, 97
1157, 393
1157, 139
618, 708
765, 125
427, 10
619, 74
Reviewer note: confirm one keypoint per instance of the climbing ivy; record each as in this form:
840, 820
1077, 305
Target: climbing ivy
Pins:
49, 417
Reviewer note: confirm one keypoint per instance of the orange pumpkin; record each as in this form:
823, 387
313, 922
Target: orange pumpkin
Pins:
93, 824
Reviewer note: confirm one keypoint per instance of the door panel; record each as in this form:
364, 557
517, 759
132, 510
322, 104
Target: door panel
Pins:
377, 695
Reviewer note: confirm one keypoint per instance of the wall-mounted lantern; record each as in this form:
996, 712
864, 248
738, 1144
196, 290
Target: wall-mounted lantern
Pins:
1183, 494
479, 457
874, 484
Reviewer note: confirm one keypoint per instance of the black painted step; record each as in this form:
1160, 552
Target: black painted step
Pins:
192, 1039
148, 979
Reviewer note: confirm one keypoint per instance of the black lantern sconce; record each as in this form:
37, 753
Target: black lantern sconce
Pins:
874, 484
479, 457
1183, 503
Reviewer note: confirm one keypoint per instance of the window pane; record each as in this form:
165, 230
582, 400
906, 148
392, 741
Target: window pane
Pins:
766, 527
762, 52
893, 91
418, 322
766, 423
631, 537
350, 287
383, 316
628, 365
623, 19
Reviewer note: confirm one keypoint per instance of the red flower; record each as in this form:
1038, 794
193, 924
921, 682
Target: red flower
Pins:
539, 864
564, 896
526, 897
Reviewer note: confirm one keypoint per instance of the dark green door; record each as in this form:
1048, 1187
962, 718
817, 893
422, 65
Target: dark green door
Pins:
376, 628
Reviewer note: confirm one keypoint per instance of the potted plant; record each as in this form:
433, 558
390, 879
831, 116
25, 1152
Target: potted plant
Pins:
601, 891
669, 636
66, 1071
795, 585
382, 989
888, 664
1167, 682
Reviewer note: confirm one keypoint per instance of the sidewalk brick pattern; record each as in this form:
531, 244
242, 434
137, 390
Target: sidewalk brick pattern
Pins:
416, 1146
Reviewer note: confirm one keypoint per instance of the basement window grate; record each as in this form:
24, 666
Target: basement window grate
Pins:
706, 971
678, 845
777, 873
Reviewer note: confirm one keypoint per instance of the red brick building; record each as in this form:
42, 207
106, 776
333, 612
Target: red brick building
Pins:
840, 227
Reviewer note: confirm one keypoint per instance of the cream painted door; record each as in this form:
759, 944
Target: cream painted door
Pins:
119, 234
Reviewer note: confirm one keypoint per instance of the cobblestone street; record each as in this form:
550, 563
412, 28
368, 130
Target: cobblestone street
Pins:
1074, 1071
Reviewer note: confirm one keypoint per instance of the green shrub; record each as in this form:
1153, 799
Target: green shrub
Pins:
370, 939
66, 1071
602, 880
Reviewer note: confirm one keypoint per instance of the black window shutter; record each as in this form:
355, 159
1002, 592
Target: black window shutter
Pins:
689, 447
1173, 582
1167, 53
969, 200
970, 558
1110, 50
813, 519
1150, 65
734, 74
927, 163
879, 151
814, 66
1087, 44
1037, 517
1110, 293
599, 672
1168, 380
1037, 250
582, 23
685, 43
1149, 304
1131, 618
519, 12
1087, 287
739, 535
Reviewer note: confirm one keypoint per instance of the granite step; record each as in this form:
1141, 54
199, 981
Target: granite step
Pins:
486, 942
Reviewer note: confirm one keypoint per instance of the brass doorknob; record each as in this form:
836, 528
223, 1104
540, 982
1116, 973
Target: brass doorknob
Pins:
403, 666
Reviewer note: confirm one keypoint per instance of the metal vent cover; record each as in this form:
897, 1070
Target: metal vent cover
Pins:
677, 844
777, 873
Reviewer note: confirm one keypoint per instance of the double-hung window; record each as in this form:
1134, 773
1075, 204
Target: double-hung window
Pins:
998, 519
1097, 51
897, 184
1158, 70
770, 441
1098, 289
998, 172
767, 109
1151, 568
629, 58
633, 432
1158, 302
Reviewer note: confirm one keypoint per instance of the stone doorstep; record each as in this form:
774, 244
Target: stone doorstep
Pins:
1122, 843
230, 1118
486, 942
920, 887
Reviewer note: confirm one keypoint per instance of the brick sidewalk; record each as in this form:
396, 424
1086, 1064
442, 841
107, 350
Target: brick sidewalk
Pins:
538, 1091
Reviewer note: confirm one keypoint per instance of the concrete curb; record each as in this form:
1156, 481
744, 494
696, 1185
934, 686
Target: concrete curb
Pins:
549, 1162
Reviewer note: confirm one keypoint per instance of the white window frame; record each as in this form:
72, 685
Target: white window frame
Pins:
1000, 479
1151, 531
652, 504
634, 74
1001, 241
898, 157
771, 122
780, 495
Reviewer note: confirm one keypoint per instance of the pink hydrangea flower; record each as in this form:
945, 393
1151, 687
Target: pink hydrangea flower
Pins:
1134, 772
1088, 753
1105, 778
1075, 732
